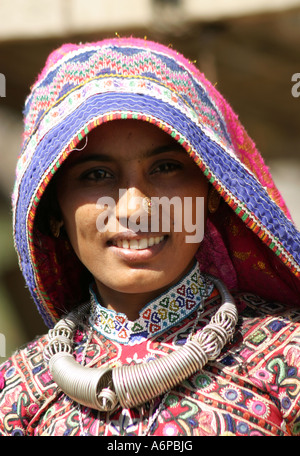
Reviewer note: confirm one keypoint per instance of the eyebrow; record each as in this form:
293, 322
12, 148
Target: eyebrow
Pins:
160, 150
108, 158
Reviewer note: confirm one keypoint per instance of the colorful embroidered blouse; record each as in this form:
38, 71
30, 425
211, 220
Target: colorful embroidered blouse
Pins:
253, 388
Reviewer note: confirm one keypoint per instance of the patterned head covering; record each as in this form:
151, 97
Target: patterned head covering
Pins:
250, 242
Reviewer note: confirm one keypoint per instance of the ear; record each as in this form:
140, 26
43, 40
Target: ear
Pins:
55, 226
213, 200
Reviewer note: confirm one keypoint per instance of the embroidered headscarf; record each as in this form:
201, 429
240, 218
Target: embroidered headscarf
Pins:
250, 243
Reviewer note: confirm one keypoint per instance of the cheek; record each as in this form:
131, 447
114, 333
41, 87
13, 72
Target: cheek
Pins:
193, 217
194, 202
80, 223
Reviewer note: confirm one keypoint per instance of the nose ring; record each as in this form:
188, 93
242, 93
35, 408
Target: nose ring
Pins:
147, 205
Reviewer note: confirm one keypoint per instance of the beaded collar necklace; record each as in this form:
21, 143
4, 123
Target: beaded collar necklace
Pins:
160, 314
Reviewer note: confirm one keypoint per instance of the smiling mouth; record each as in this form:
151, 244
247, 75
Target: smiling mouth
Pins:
138, 244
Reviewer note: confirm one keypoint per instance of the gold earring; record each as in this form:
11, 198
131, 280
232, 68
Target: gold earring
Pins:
55, 226
213, 200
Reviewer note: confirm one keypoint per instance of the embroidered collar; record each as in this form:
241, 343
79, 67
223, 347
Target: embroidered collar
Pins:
157, 316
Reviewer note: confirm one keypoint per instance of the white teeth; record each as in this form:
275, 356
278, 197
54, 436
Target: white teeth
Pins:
141, 244
151, 241
133, 244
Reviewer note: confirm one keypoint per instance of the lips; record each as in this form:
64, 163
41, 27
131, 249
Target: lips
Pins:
137, 244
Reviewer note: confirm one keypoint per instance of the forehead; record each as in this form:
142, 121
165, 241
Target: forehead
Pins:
118, 130
126, 140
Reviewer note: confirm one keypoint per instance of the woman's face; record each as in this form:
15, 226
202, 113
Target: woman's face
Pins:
123, 162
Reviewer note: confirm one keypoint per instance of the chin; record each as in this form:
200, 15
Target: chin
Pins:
137, 282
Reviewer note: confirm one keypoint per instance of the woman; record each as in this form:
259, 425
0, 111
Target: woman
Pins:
122, 136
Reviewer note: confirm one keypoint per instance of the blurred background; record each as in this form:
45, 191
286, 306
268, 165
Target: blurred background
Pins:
250, 48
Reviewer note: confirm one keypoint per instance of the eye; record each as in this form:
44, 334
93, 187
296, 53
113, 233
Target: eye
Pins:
167, 167
97, 174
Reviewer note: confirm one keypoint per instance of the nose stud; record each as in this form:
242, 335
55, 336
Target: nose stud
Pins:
148, 205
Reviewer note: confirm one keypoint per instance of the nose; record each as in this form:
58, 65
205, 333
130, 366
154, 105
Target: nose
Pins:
130, 200
131, 210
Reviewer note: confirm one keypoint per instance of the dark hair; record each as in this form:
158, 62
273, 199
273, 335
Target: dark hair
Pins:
48, 209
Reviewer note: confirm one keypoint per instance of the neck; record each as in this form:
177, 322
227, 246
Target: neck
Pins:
131, 303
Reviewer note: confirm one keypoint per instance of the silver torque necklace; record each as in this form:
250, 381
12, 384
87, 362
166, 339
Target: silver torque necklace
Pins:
105, 388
